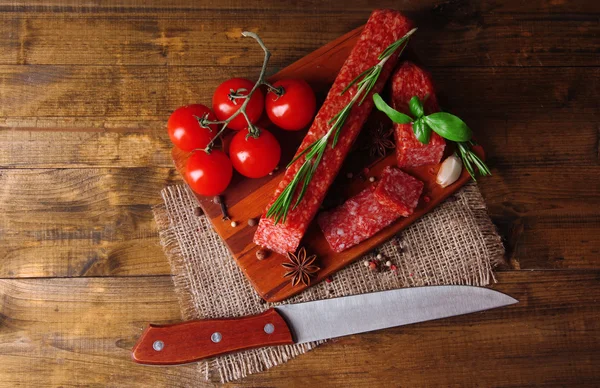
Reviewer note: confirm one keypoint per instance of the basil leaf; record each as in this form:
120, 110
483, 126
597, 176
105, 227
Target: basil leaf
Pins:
393, 114
416, 106
448, 126
422, 131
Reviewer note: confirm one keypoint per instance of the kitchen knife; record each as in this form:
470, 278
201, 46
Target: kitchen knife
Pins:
311, 321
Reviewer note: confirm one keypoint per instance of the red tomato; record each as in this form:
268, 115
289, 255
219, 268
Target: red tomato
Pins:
224, 106
208, 174
185, 131
295, 109
254, 157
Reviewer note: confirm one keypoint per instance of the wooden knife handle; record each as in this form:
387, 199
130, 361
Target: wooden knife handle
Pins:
190, 341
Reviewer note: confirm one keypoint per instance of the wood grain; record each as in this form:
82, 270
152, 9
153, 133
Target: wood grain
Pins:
80, 222
84, 147
105, 227
75, 332
151, 93
75, 75
80, 332
451, 33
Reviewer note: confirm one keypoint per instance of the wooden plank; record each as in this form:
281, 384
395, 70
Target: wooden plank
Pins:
97, 222
549, 216
451, 34
79, 332
552, 123
73, 222
175, 6
63, 148
138, 93
566, 138
74, 332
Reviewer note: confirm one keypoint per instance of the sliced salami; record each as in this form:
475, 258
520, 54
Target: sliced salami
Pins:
362, 216
398, 191
408, 81
356, 220
383, 28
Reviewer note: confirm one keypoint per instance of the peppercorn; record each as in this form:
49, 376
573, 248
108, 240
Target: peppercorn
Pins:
394, 268
234, 224
372, 179
262, 254
198, 211
252, 222
373, 266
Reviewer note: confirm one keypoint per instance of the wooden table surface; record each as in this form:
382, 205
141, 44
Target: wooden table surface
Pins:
85, 92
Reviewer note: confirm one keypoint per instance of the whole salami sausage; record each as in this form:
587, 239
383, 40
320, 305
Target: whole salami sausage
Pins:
408, 81
383, 28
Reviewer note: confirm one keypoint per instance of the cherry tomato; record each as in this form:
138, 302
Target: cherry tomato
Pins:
208, 174
254, 157
224, 106
295, 109
185, 131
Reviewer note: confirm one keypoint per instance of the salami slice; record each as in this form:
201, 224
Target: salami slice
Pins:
398, 191
362, 216
408, 81
383, 28
356, 220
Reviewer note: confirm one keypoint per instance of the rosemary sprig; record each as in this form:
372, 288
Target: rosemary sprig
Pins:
364, 82
470, 158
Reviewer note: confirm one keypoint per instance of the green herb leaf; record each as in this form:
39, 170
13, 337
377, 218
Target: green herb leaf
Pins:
448, 126
422, 131
416, 107
471, 160
393, 114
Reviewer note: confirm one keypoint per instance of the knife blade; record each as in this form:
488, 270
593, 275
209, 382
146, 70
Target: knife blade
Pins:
191, 341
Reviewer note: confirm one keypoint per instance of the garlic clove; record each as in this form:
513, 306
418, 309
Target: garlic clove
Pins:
449, 171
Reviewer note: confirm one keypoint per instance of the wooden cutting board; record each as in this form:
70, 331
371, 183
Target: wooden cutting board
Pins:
248, 198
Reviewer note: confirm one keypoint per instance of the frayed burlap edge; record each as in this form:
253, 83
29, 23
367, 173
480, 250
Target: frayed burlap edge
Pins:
208, 283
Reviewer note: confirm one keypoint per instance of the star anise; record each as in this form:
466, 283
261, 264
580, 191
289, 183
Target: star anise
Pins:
300, 268
380, 141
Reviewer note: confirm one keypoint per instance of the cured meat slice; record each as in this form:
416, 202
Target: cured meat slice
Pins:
383, 28
374, 208
408, 81
398, 191
356, 220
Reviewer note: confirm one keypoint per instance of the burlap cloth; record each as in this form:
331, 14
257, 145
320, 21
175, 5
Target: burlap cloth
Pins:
455, 244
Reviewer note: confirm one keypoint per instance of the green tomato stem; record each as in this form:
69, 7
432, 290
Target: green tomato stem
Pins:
242, 110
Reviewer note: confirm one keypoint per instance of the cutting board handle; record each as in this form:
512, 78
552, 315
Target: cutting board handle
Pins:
191, 341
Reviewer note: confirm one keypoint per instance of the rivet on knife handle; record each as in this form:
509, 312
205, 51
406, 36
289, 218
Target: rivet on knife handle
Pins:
191, 341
